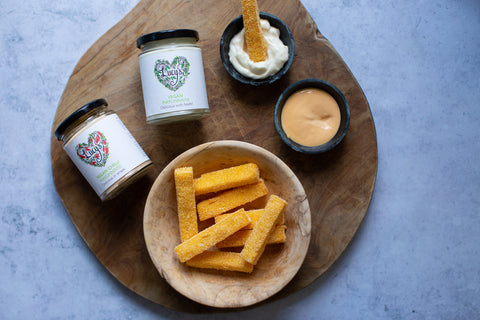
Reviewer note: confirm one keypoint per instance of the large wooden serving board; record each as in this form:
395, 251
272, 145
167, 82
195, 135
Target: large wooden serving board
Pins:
339, 184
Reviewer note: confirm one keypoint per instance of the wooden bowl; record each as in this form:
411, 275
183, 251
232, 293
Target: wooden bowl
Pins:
223, 289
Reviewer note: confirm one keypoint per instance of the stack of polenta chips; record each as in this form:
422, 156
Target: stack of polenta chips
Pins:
228, 190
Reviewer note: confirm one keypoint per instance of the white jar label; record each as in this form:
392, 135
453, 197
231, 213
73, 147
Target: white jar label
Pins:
104, 152
173, 80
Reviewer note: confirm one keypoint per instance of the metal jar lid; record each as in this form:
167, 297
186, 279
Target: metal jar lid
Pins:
77, 115
167, 34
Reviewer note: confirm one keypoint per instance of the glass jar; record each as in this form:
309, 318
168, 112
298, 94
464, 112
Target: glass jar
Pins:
173, 79
102, 148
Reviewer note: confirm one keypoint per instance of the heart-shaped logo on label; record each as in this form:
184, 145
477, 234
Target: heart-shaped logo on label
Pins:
95, 152
172, 75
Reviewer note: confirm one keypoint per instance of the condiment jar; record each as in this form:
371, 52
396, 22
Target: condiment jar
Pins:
102, 148
173, 79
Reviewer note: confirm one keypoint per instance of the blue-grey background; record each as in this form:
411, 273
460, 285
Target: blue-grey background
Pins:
416, 255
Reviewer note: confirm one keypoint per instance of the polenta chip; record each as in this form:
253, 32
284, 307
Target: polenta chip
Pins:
186, 206
256, 242
257, 47
230, 199
254, 216
228, 178
212, 235
239, 238
220, 260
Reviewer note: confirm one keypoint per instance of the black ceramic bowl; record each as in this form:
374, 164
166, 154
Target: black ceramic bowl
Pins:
339, 98
235, 27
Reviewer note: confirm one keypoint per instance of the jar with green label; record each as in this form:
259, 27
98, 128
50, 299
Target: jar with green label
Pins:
173, 79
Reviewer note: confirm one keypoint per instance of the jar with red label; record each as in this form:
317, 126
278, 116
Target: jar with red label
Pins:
102, 148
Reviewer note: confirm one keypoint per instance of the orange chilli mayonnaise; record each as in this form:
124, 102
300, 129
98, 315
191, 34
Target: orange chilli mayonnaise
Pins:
310, 117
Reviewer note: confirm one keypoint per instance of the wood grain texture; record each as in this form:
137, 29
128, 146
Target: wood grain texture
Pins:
339, 184
277, 265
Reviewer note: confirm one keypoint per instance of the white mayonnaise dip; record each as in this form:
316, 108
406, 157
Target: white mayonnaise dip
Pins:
277, 54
